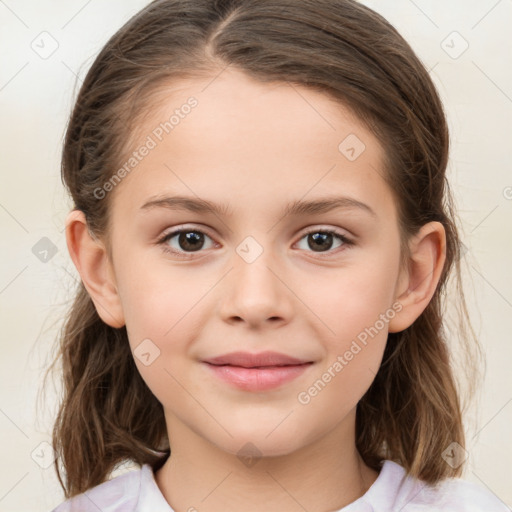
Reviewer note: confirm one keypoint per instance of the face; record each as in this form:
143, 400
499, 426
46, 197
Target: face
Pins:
266, 271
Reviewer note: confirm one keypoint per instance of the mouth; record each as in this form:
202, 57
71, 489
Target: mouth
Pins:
262, 367
259, 360
257, 378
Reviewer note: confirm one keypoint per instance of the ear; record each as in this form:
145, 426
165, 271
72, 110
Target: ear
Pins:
418, 283
92, 262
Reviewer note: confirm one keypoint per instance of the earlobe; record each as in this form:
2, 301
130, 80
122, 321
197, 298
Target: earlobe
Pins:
420, 280
92, 262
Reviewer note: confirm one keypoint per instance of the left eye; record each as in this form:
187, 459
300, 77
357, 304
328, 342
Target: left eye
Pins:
322, 240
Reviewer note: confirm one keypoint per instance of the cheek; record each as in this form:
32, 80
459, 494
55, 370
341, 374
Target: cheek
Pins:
160, 310
157, 301
339, 385
356, 307
352, 358
349, 300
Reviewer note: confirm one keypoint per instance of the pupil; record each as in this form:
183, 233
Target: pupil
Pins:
319, 238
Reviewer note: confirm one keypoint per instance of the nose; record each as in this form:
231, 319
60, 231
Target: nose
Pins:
256, 290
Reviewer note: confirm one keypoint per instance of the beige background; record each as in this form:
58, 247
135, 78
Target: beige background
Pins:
36, 92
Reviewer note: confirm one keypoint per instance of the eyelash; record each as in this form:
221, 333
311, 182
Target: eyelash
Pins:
188, 255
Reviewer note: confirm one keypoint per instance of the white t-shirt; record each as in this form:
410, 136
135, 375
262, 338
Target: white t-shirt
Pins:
137, 491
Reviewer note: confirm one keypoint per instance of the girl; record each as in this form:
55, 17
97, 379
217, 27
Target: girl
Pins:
295, 358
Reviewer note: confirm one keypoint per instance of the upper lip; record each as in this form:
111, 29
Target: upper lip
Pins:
248, 360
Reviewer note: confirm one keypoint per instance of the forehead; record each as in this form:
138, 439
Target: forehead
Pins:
229, 136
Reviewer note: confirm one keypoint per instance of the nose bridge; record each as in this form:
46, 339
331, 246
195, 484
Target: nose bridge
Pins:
253, 262
255, 292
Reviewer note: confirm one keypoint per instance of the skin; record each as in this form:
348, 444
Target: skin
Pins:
257, 147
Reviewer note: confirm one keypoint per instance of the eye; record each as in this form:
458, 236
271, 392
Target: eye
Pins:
187, 241
322, 240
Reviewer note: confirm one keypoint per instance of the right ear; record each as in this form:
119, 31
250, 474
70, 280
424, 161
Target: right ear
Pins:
92, 262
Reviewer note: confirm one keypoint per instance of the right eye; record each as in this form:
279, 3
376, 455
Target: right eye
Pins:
183, 242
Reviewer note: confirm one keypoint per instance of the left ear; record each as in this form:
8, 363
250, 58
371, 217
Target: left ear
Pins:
419, 282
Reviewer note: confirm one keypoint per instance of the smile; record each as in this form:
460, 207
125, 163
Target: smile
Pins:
259, 378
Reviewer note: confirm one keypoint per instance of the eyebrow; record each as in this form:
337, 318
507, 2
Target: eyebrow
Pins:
298, 207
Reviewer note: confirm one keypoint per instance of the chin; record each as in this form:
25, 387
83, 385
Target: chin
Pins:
262, 442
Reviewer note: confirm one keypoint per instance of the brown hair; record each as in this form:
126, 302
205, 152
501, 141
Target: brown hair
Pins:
412, 411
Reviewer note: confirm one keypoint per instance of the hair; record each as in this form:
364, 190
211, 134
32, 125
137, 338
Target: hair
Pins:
413, 409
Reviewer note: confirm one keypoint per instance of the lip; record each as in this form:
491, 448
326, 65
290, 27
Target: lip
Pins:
257, 372
248, 360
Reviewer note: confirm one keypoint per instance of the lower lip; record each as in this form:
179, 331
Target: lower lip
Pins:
258, 379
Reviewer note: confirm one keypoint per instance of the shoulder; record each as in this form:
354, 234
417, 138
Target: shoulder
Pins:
120, 494
459, 495
452, 495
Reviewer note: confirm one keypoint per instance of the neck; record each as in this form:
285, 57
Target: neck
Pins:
325, 475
